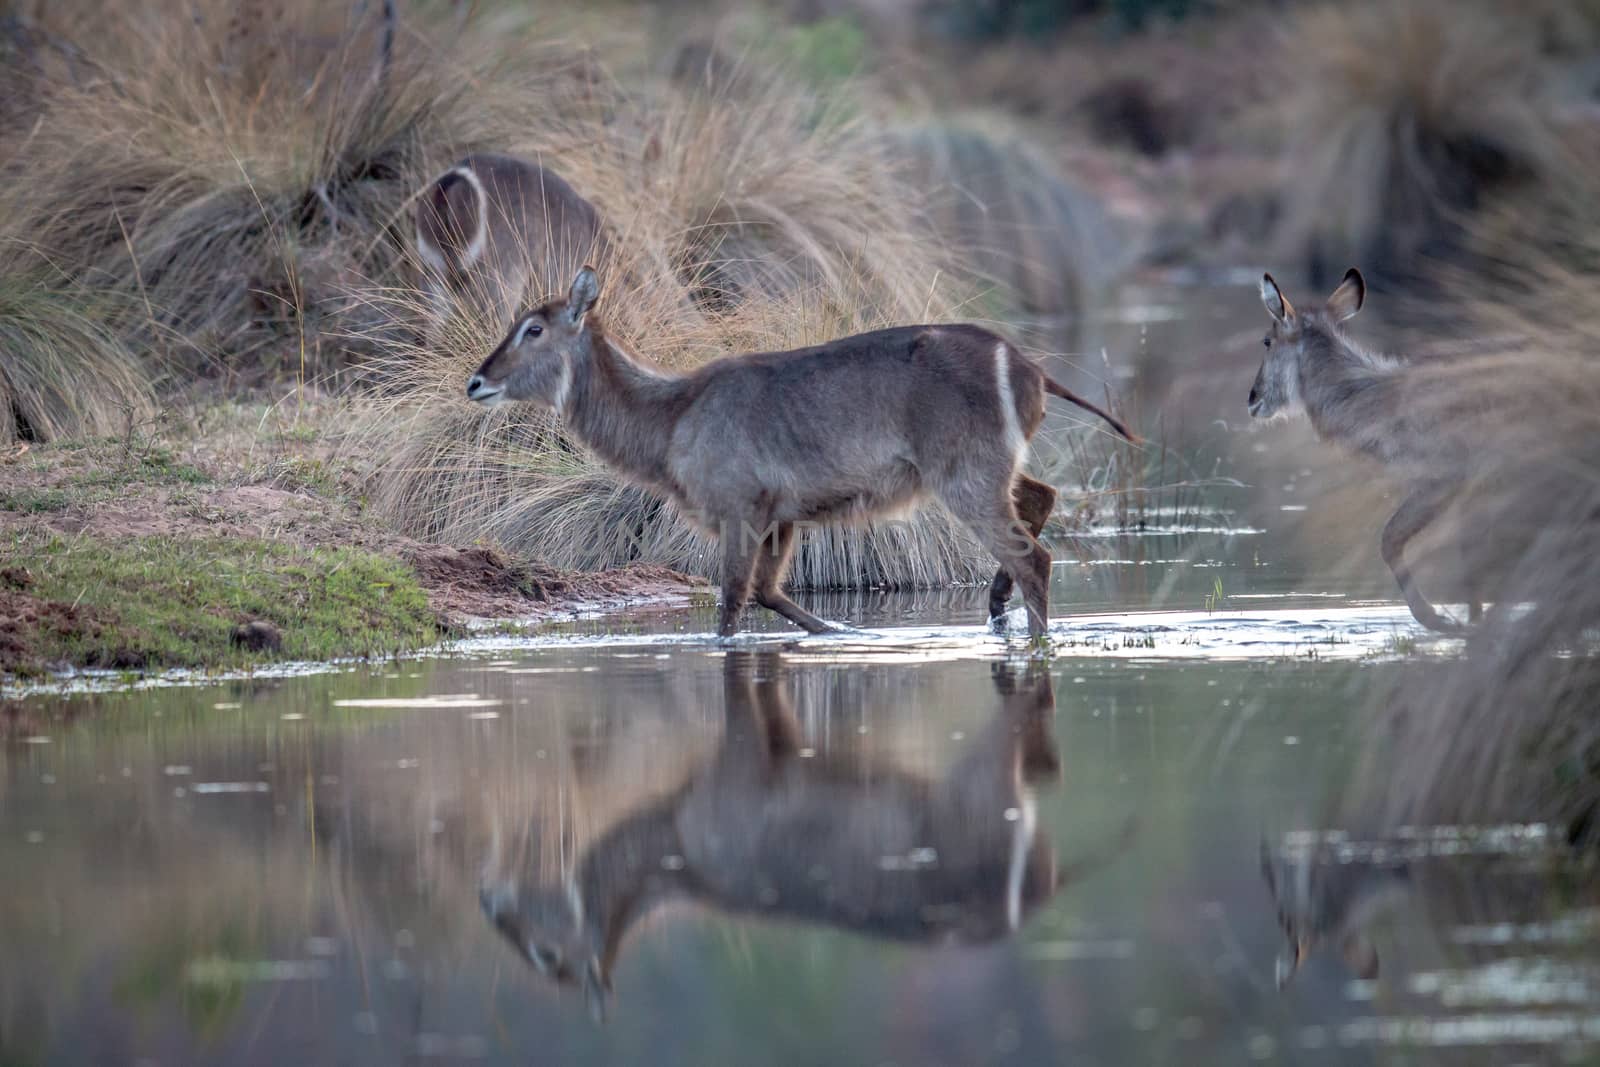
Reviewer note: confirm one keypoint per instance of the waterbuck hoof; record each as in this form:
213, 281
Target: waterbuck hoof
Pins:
1008, 621
1442, 624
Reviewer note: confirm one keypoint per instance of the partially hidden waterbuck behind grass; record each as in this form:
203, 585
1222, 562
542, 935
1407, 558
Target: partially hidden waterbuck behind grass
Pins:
838, 837
752, 449
492, 228
1369, 402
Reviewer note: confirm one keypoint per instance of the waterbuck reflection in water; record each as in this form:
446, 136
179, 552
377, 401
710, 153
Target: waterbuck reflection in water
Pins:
835, 836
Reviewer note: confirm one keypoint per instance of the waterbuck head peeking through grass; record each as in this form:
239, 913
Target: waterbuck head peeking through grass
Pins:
1277, 386
754, 449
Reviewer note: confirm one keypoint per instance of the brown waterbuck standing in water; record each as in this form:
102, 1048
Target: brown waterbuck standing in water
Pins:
753, 448
1366, 402
493, 227
841, 838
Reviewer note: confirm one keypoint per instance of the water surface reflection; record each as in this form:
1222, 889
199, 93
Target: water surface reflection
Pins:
772, 855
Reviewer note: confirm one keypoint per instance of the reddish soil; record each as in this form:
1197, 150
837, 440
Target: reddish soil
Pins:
23, 617
483, 583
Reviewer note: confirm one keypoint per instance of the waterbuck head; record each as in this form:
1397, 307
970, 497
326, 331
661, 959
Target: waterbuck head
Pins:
546, 926
536, 359
1277, 386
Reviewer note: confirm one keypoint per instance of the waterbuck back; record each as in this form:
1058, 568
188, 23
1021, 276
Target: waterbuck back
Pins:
494, 229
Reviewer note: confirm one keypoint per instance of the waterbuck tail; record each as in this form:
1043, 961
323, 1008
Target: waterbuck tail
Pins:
1055, 388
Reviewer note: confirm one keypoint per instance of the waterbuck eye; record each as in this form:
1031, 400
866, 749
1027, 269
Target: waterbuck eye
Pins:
1266, 342
529, 329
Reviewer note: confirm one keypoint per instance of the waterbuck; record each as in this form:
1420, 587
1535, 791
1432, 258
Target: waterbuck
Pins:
494, 227
834, 837
1364, 401
753, 448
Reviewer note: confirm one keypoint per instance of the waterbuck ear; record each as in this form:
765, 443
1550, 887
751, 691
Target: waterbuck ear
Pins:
583, 294
1278, 305
1348, 298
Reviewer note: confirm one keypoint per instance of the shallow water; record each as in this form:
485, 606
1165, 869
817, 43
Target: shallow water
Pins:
906, 844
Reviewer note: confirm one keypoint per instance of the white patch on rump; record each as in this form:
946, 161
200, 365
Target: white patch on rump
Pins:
1015, 441
1022, 832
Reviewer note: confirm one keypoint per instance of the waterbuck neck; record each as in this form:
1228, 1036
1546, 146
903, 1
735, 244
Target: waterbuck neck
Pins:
1343, 386
636, 865
623, 409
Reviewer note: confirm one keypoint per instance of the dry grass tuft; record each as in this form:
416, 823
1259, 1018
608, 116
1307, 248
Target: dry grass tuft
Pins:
772, 192
238, 169
1402, 118
1511, 730
65, 372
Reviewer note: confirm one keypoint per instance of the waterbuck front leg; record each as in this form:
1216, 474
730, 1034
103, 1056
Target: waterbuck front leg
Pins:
1423, 506
738, 567
1034, 501
772, 563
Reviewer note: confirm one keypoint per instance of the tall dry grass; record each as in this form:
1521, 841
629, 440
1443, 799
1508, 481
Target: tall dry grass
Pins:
242, 173
66, 372
1511, 729
239, 167
1402, 118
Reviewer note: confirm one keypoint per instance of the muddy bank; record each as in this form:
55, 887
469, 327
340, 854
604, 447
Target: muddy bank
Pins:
239, 545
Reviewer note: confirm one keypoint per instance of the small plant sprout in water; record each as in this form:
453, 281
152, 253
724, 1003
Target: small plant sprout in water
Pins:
1215, 598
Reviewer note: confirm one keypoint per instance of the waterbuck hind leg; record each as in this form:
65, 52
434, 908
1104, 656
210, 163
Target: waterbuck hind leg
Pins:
1034, 501
761, 730
1422, 507
772, 563
1002, 532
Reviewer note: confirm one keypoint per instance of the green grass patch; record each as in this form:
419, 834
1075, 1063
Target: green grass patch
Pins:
155, 602
154, 466
151, 467
30, 500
